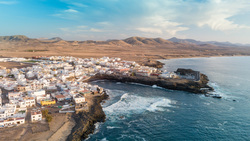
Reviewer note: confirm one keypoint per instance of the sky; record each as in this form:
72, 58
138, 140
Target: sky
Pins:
204, 20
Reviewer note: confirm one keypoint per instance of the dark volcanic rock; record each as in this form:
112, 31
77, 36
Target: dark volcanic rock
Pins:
199, 87
151, 63
85, 121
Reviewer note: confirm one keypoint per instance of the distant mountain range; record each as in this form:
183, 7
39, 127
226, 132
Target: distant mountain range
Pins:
138, 41
133, 48
191, 41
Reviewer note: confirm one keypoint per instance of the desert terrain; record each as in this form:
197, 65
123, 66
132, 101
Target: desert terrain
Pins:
133, 48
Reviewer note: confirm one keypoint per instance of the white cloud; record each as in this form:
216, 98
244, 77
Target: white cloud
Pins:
149, 30
64, 29
8, 2
95, 30
82, 26
79, 4
159, 24
105, 23
71, 11
217, 17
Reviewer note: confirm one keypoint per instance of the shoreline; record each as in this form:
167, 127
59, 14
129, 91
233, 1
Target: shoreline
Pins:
197, 87
84, 121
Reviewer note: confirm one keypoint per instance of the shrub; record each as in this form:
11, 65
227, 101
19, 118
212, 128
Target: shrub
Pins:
45, 112
49, 118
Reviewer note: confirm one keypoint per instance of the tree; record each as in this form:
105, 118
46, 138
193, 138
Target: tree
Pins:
49, 118
45, 112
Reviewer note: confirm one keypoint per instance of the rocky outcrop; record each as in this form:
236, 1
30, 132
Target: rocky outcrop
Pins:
153, 63
85, 121
198, 87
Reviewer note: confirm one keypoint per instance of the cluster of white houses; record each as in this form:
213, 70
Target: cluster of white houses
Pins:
55, 79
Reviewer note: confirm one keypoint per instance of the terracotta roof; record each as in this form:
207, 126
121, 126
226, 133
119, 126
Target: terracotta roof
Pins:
60, 96
36, 112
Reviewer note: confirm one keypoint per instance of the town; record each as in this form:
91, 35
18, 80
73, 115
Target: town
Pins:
57, 82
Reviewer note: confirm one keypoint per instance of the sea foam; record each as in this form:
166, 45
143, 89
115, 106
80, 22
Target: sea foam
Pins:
131, 103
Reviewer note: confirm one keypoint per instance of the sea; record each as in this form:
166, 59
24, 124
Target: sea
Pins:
137, 112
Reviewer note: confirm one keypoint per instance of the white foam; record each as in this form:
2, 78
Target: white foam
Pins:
118, 83
157, 87
112, 127
139, 84
131, 103
158, 106
104, 139
97, 127
154, 86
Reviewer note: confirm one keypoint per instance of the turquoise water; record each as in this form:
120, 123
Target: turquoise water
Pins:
143, 113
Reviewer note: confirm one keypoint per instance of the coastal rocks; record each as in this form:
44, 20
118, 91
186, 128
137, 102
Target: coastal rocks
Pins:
151, 63
199, 87
85, 121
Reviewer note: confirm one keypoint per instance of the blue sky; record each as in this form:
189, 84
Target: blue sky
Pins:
205, 20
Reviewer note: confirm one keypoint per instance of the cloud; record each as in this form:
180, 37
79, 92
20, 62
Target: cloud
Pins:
149, 30
160, 25
105, 23
217, 17
79, 4
8, 2
157, 17
214, 14
82, 26
64, 29
80, 29
71, 11
96, 30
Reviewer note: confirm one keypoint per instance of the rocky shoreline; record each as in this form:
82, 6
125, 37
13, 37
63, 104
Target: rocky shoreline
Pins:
85, 120
197, 87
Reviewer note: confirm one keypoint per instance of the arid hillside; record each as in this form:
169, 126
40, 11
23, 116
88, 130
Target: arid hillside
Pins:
133, 48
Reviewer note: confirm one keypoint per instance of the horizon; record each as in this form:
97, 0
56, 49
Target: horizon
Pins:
201, 20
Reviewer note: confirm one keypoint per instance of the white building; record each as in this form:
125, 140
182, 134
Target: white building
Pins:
8, 110
12, 121
79, 98
36, 116
29, 101
60, 97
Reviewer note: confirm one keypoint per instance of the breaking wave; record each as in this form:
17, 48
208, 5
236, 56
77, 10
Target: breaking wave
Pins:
131, 104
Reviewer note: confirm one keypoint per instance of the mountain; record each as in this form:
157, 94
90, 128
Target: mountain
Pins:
146, 41
14, 38
191, 41
132, 48
56, 39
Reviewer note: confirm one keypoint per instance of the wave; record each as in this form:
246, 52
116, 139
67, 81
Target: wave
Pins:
139, 84
159, 105
112, 127
158, 87
133, 104
104, 139
218, 90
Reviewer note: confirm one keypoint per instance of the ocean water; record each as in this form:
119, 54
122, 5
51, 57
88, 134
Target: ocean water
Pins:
138, 112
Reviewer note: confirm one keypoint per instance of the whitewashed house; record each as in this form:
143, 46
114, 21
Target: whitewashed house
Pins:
11, 122
79, 98
36, 116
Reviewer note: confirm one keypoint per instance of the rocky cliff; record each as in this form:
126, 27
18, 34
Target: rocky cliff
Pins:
198, 87
85, 121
